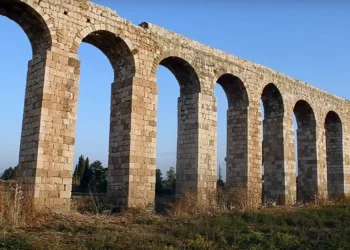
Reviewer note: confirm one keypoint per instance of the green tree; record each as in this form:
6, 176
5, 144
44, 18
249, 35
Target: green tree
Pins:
98, 177
9, 174
220, 172
79, 170
87, 163
170, 183
159, 181
220, 182
86, 177
76, 179
171, 175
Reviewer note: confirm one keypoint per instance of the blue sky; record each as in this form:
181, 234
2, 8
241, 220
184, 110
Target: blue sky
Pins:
309, 41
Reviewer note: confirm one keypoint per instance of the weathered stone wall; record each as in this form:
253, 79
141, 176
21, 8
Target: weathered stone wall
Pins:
56, 28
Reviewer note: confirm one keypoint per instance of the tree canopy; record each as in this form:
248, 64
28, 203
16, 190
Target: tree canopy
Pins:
90, 177
9, 174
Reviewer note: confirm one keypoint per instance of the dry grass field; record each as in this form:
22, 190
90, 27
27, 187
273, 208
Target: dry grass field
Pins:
184, 225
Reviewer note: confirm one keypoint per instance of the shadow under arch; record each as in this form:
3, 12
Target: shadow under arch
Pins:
31, 22
184, 73
307, 183
273, 144
272, 100
235, 91
334, 154
237, 131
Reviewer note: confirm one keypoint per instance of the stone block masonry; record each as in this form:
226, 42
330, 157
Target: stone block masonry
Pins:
255, 147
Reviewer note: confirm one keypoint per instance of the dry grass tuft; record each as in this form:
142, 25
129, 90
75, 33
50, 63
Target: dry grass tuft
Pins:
212, 202
17, 210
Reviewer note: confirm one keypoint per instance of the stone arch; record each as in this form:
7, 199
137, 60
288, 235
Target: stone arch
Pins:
113, 45
38, 27
184, 72
237, 130
334, 154
33, 22
307, 151
118, 49
273, 143
188, 128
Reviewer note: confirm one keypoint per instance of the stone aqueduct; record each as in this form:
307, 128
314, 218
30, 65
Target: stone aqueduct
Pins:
56, 28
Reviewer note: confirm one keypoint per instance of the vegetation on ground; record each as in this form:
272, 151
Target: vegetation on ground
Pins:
185, 226
318, 228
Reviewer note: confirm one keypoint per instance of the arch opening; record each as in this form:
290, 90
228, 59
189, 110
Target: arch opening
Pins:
272, 144
38, 34
306, 151
221, 134
92, 123
100, 105
334, 154
187, 124
13, 72
167, 136
237, 131
31, 22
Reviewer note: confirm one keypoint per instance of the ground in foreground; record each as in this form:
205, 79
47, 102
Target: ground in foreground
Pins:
312, 228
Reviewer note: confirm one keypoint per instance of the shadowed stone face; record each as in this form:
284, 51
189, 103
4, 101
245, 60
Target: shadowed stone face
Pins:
307, 151
57, 28
334, 147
